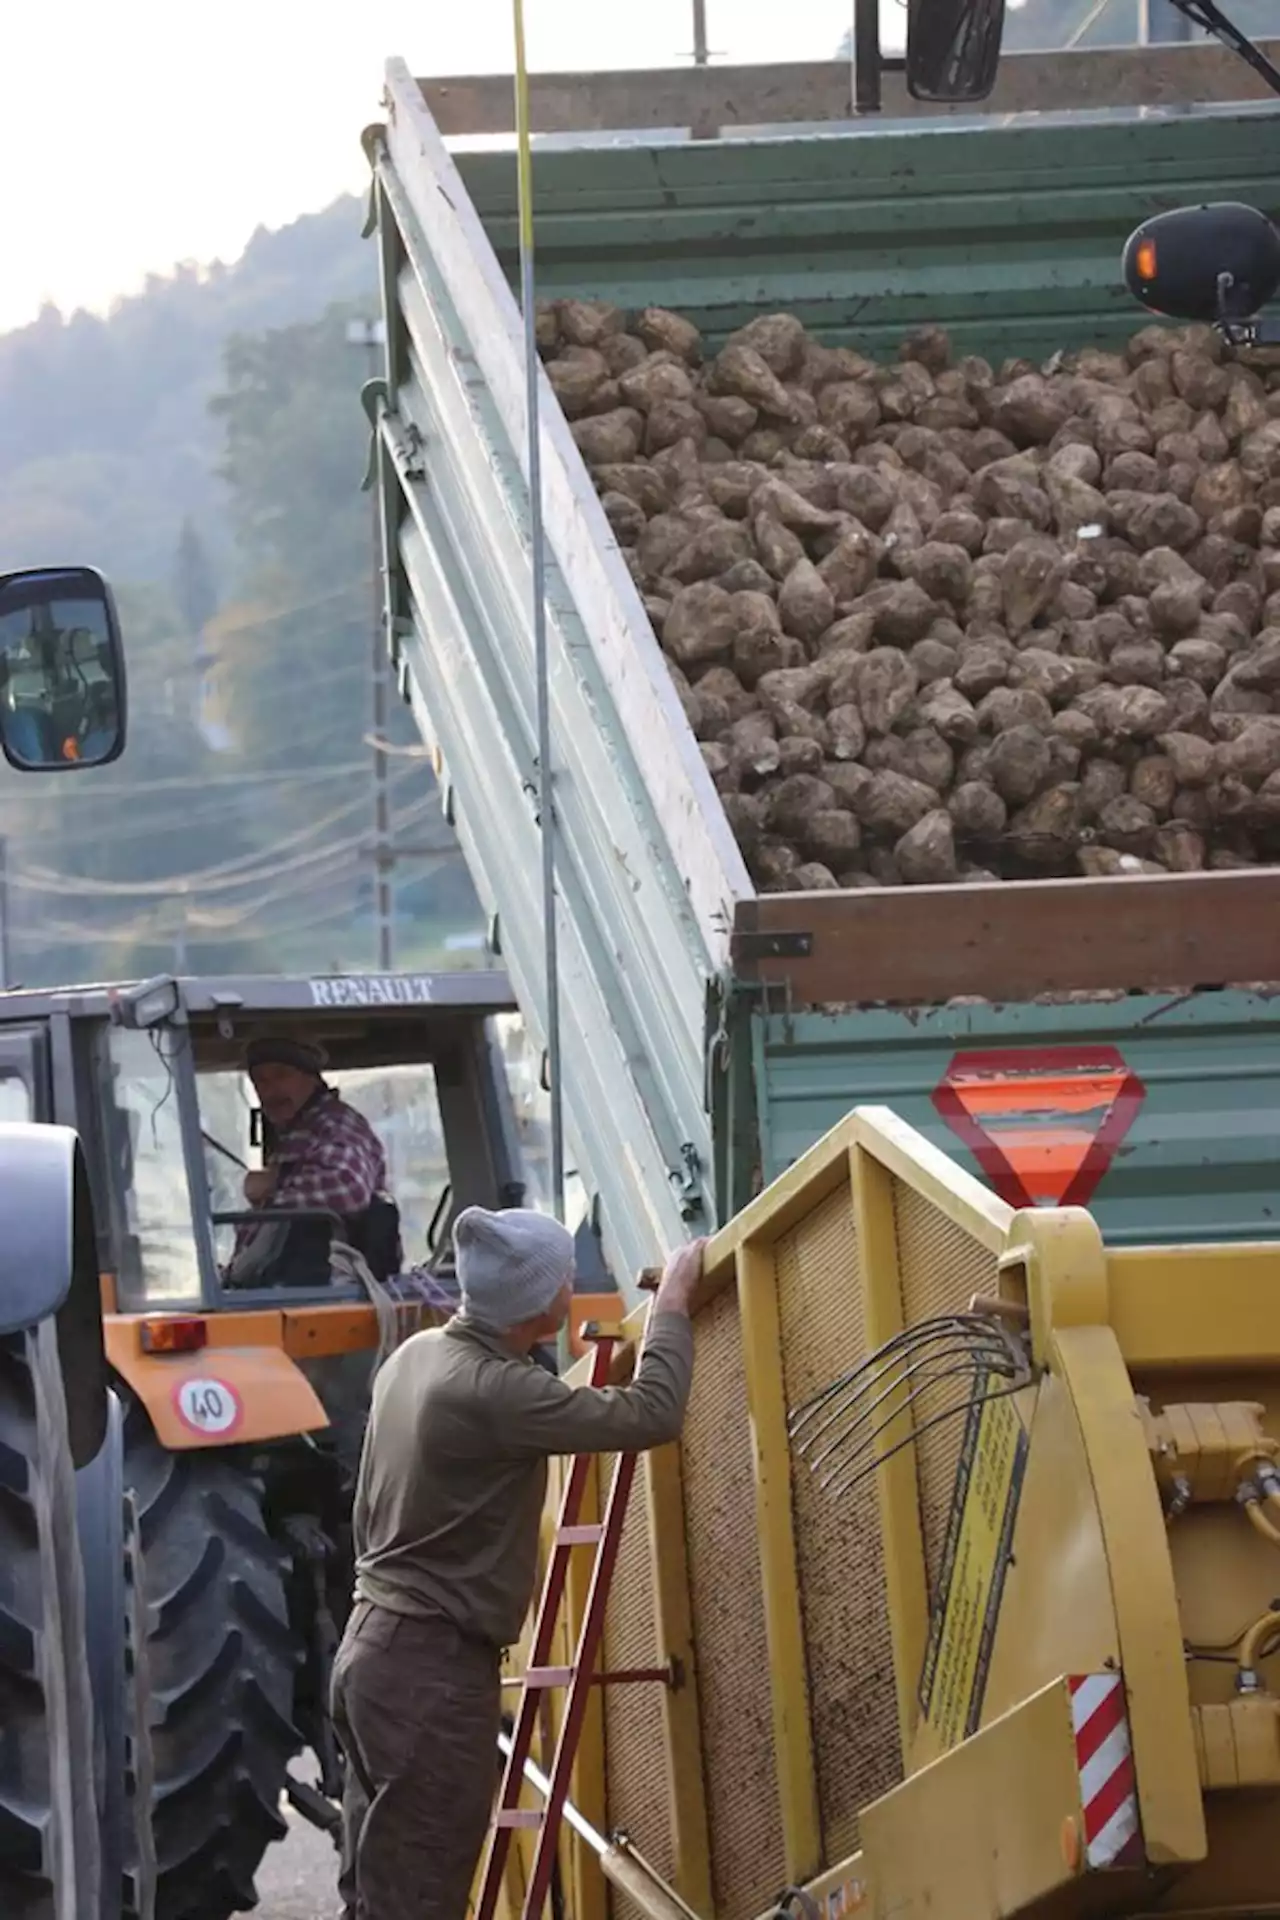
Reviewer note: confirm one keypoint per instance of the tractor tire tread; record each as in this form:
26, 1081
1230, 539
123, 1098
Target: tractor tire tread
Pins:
222, 1666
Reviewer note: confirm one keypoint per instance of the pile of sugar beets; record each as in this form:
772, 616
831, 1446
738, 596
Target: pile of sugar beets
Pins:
933, 621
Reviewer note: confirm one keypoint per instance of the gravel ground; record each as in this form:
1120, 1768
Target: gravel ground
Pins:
298, 1878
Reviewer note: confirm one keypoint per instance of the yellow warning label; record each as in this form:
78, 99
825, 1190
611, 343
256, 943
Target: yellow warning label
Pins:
976, 1558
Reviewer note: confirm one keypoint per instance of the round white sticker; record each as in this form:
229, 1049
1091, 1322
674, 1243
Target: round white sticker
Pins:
208, 1406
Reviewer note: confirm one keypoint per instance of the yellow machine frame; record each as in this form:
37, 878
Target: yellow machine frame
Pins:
1153, 1367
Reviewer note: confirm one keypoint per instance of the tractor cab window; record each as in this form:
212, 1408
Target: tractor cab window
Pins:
15, 1099
158, 1262
401, 1105
399, 1102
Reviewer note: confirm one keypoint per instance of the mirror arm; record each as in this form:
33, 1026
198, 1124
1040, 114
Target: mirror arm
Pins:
1251, 333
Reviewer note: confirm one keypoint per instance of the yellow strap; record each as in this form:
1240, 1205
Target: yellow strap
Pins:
524, 148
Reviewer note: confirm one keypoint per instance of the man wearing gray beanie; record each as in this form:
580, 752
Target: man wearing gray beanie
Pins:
448, 1509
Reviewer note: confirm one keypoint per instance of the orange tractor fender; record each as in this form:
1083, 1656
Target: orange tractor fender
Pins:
224, 1380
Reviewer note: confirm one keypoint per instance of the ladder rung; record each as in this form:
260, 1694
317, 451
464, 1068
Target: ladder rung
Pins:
588, 1534
518, 1817
602, 1330
536, 1677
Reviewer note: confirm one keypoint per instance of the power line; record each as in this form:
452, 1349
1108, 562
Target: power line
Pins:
239, 925
232, 873
183, 783
212, 879
202, 815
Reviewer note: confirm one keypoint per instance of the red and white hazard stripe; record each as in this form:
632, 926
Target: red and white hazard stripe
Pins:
1108, 1783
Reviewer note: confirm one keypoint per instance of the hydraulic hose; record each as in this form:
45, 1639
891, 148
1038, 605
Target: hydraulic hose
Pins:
1251, 1644
1260, 1522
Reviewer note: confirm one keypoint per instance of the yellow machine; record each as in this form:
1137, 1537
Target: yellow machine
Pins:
965, 1570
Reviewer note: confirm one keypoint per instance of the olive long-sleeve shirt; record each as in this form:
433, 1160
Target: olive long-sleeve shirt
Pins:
453, 1475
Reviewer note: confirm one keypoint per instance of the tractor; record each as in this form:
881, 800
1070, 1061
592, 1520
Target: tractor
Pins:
243, 1396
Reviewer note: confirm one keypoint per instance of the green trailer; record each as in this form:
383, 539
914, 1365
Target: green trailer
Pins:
1103, 1040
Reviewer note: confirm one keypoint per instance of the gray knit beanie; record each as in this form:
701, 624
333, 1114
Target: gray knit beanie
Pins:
511, 1265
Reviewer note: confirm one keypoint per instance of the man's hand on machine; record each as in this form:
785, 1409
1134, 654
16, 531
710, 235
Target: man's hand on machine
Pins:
260, 1185
680, 1279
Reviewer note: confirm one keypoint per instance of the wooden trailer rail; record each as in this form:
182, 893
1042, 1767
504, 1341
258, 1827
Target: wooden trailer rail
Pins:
1025, 940
719, 99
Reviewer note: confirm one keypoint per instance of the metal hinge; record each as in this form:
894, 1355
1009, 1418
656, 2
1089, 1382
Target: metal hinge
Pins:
772, 946
373, 398
687, 1181
404, 438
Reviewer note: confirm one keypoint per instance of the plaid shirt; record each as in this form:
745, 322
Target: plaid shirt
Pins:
329, 1157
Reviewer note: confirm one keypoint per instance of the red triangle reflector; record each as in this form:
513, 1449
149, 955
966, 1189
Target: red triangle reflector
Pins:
1043, 1123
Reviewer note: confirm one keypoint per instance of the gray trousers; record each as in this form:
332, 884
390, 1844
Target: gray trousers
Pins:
416, 1707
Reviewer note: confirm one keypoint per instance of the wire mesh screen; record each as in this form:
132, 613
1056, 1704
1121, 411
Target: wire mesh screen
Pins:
838, 1544
941, 1267
747, 1862
636, 1774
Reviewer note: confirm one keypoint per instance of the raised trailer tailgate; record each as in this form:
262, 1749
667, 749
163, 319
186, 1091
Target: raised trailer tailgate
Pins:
1009, 236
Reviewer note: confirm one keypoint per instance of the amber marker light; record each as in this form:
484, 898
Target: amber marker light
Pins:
175, 1333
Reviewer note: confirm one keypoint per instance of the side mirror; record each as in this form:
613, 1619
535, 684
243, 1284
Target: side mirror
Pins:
1213, 263
49, 1265
62, 679
953, 49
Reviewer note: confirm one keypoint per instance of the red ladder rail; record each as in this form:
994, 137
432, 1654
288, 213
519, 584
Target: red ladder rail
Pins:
578, 1678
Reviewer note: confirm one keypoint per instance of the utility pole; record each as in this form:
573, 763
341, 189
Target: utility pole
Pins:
700, 56
180, 934
371, 335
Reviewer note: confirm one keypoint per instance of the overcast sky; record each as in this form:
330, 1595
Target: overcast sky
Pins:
130, 138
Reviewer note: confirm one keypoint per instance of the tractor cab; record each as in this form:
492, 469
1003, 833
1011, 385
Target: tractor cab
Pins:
432, 1062
153, 1077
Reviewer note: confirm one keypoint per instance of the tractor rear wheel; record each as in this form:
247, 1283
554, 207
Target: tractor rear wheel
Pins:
49, 1861
222, 1662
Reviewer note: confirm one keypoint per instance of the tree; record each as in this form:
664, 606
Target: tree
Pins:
104, 423
291, 394
193, 589
237, 830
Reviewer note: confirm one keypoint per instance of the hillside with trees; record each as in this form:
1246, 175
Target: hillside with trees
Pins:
204, 444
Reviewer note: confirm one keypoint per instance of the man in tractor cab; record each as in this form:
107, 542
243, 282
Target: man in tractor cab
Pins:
453, 1477
323, 1156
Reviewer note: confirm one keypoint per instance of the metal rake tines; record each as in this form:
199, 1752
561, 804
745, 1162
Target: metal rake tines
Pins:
970, 1334
846, 1431
868, 1438
895, 1360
